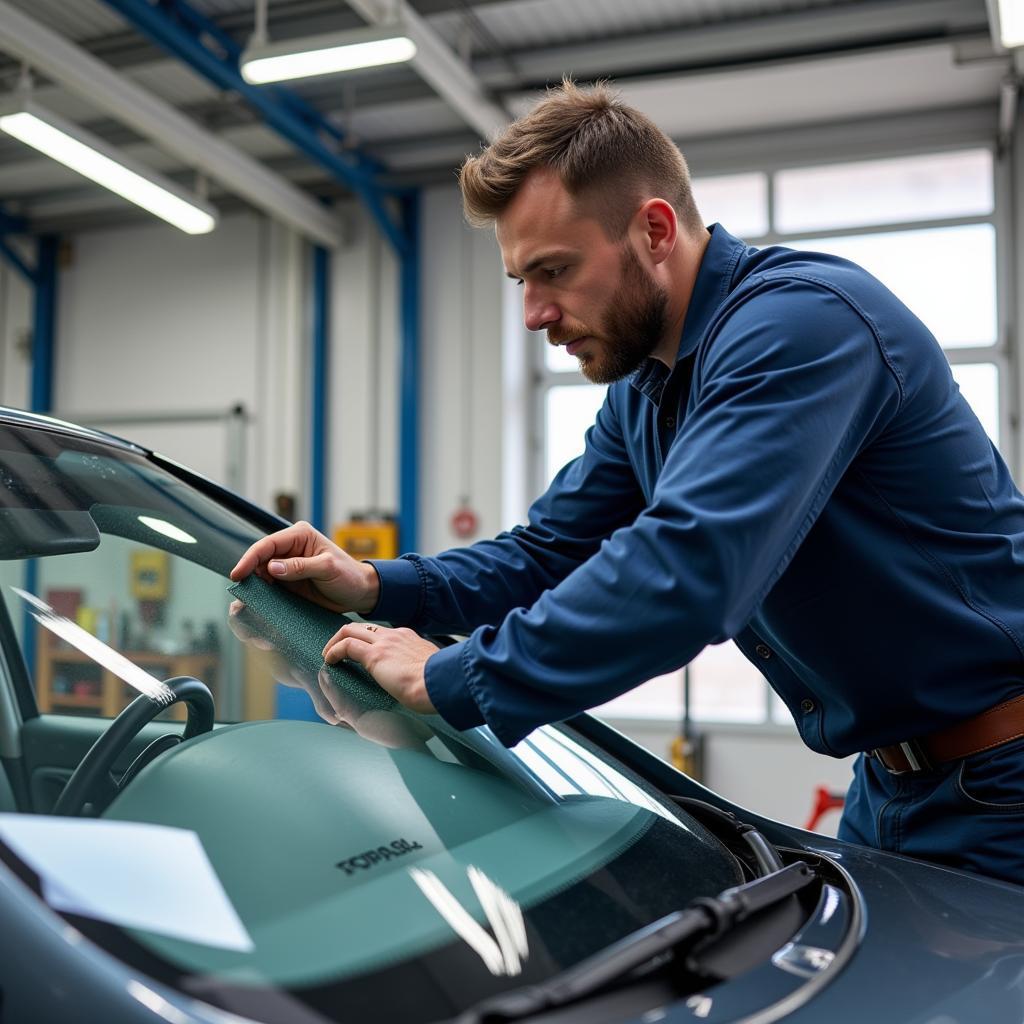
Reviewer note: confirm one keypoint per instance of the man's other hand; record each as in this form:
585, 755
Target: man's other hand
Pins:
394, 657
314, 567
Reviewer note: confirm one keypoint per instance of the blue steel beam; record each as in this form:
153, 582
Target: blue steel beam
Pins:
409, 461
177, 37
10, 225
321, 330
16, 261
44, 324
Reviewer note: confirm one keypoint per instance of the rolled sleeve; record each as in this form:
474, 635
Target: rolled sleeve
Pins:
463, 589
401, 590
449, 688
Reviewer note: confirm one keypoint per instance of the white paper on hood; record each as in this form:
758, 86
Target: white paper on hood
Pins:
152, 877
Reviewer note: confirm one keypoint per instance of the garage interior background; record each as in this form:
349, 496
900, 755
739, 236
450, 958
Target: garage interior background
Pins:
886, 129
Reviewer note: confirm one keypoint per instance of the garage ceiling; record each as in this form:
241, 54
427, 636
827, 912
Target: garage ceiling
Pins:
702, 68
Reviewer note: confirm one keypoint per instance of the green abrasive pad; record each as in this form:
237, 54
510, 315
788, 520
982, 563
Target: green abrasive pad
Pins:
299, 630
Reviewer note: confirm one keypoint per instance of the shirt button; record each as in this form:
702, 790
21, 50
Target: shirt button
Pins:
807, 705
670, 422
763, 651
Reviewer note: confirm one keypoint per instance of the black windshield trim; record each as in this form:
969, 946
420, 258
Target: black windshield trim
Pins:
225, 496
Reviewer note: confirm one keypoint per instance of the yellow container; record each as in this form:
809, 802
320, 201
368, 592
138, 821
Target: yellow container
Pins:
368, 538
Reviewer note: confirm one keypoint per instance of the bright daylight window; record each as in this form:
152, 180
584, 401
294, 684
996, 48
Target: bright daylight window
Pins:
925, 226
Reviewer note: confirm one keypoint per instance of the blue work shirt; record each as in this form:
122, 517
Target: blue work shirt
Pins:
807, 480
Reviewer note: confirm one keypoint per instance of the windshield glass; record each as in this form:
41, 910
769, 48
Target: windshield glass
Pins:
336, 849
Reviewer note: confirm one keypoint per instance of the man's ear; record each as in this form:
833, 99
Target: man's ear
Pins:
657, 229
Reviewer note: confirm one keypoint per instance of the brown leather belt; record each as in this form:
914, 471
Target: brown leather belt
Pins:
990, 729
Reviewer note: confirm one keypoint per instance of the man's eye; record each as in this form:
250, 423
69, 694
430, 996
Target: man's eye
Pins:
554, 271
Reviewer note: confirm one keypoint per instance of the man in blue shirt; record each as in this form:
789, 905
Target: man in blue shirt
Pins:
783, 458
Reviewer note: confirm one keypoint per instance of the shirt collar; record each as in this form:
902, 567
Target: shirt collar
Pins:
714, 279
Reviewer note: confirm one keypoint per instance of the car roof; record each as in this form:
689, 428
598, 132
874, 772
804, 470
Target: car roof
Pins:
22, 418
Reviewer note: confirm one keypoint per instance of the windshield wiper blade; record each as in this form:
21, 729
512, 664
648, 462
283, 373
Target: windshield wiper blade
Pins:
705, 919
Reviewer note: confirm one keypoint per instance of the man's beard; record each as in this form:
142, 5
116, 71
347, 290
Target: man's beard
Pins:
633, 325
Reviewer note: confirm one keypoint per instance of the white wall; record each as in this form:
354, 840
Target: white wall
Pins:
461, 400
362, 468
461, 379
150, 318
155, 323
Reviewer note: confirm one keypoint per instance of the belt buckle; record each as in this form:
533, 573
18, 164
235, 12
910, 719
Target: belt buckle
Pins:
914, 752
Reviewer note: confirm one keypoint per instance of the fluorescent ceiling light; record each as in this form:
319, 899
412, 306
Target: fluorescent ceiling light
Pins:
93, 158
1011, 23
325, 54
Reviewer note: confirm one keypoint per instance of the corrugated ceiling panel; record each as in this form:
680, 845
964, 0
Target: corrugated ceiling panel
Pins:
517, 24
80, 20
513, 23
174, 82
410, 118
215, 8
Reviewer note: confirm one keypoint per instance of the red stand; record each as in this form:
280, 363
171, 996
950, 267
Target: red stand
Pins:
824, 801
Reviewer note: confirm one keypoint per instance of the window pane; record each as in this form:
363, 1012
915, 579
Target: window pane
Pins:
661, 697
780, 713
947, 276
883, 191
979, 384
725, 687
738, 201
571, 409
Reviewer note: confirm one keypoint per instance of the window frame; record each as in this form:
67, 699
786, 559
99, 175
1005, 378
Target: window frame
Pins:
933, 132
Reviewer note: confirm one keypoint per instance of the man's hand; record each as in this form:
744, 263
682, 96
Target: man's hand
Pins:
314, 567
394, 657
387, 728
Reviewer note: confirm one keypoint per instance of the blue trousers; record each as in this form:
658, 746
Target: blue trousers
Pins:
965, 814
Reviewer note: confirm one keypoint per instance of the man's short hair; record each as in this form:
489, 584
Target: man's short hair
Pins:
609, 157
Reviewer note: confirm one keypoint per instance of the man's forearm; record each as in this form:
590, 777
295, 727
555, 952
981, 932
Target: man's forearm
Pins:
463, 588
460, 589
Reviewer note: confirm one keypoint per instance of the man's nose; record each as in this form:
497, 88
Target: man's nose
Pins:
539, 311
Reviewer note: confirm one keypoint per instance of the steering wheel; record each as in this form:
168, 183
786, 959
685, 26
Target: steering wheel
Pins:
92, 781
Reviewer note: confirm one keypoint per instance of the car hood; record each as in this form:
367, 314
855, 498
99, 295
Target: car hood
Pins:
937, 944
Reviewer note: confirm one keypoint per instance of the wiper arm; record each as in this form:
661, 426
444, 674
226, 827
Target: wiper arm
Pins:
705, 919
